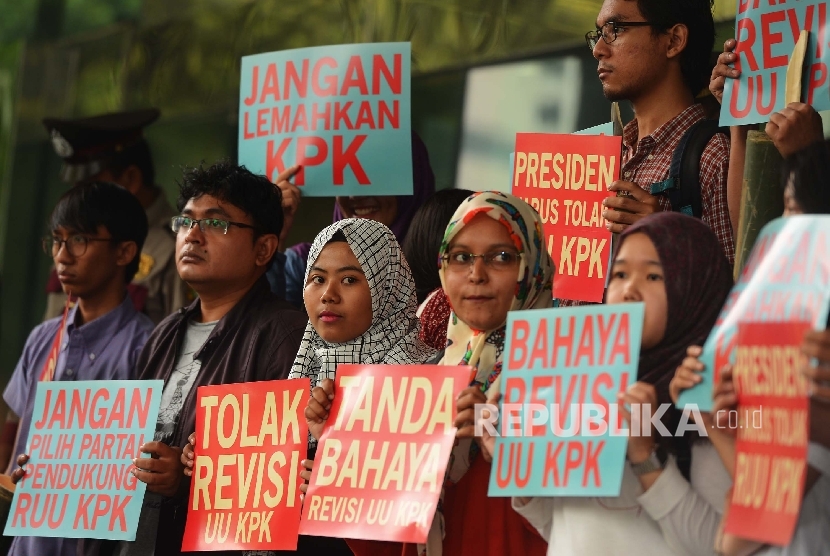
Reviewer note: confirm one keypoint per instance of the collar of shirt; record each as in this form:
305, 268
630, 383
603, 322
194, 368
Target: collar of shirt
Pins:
97, 334
669, 132
233, 318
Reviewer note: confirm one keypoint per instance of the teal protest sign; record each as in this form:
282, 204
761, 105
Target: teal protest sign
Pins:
560, 431
79, 481
342, 112
767, 33
786, 279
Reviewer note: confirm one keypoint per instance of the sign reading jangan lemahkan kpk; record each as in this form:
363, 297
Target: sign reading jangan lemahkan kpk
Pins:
341, 112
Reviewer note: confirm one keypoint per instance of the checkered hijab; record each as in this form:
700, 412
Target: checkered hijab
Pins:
392, 338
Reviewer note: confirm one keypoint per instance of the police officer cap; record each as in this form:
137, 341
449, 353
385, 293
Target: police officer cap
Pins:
88, 145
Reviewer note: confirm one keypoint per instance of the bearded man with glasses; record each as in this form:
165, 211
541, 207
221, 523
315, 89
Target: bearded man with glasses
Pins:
655, 54
235, 331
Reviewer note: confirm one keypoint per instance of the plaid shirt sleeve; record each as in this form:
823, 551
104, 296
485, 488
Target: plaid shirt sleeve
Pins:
714, 165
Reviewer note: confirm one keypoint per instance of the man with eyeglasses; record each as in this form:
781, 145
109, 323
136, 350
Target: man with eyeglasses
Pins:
97, 232
236, 331
655, 54
111, 147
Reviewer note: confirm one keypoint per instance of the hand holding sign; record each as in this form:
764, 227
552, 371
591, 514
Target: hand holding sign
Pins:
162, 472
795, 128
631, 204
465, 406
688, 373
642, 398
319, 404
723, 70
20, 472
725, 400
188, 454
305, 474
290, 201
488, 441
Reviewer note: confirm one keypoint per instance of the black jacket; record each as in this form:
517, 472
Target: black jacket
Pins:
257, 340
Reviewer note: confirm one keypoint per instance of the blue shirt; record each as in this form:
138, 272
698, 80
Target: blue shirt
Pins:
104, 349
286, 275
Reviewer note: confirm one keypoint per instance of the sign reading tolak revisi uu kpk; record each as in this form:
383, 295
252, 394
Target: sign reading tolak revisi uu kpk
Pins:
79, 481
341, 112
381, 461
245, 492
565, 178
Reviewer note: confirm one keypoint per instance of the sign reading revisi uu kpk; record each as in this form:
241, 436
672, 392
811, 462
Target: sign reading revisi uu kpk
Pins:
767, 31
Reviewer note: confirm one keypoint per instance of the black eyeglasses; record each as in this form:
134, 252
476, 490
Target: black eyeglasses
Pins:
609, 31
213, 225
460, 260
75, 245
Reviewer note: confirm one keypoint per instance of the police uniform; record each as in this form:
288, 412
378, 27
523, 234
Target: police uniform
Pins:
87, 146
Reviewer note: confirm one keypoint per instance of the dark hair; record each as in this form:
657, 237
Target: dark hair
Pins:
137, 155
696, 15
423, 240
338, 237
86, 206
810, 171
253, 194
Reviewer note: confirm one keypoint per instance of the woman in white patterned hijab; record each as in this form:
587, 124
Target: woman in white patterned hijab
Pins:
333, 334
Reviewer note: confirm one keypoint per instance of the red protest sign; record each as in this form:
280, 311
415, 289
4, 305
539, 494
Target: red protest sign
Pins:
245, 491
565, 178
383, 454
773, 418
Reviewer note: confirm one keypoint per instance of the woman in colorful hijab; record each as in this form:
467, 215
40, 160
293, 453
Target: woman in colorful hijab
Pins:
492, 261
396, 212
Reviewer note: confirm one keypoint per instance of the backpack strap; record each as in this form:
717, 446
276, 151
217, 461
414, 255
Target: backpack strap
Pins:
683, 185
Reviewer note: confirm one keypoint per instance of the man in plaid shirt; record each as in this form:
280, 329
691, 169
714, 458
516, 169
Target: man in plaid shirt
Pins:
655, 54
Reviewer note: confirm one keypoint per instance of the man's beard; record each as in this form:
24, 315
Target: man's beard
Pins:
616, 95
